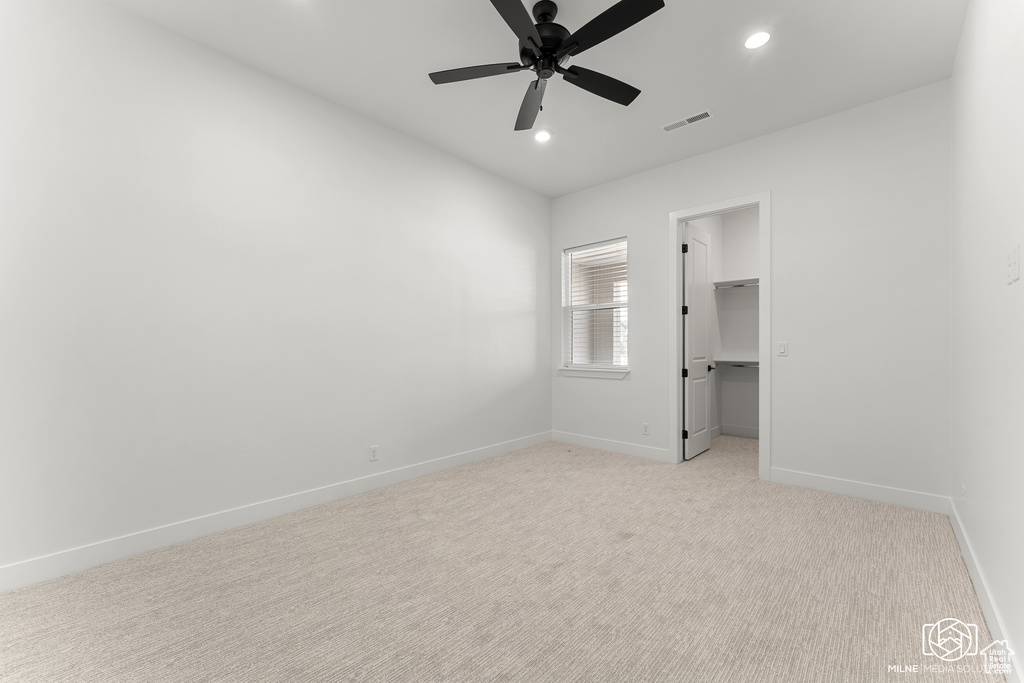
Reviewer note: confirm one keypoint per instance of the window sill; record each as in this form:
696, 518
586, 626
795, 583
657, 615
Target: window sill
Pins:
604, 373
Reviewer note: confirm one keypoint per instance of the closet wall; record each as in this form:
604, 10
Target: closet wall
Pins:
737, 312
740, 242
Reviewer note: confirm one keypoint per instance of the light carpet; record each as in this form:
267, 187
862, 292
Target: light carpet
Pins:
552, 563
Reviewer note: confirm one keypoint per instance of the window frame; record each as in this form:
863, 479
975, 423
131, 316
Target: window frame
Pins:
566, 367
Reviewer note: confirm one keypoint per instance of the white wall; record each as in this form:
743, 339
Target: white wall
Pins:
988, 314
738, 388
740, 244
216, 290
860, 283
737, 315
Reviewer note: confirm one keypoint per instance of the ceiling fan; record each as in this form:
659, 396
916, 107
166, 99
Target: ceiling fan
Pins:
544, 48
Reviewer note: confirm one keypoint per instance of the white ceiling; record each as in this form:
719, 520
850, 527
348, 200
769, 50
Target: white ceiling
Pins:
373, 57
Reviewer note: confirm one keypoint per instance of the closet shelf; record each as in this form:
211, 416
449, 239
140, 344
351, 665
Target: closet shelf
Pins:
730, 284
736, 363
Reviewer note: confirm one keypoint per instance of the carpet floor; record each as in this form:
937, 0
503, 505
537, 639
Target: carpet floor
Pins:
553, 563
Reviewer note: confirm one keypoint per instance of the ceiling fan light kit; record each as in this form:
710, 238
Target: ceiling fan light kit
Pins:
545, 47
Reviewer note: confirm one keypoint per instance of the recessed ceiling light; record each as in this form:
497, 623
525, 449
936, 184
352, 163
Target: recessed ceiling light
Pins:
757, 40
542, 136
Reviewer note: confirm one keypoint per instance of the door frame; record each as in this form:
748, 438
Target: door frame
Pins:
676, 219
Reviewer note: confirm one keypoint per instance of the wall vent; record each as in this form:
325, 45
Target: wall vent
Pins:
693, 118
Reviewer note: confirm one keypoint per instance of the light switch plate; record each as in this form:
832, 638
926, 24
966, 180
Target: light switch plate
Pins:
1013, 265
783, 348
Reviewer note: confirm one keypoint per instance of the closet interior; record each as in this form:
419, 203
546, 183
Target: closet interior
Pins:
733, 321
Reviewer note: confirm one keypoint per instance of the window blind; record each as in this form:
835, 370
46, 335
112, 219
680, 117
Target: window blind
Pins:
596, 305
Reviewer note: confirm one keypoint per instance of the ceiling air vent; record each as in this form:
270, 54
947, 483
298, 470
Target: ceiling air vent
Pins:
693, 118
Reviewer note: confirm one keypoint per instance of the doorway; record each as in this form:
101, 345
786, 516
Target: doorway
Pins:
720, 342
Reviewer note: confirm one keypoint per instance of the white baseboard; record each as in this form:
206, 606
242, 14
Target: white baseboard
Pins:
716, 431
992, 615
739, 430
918, 500
51, 566
662, 454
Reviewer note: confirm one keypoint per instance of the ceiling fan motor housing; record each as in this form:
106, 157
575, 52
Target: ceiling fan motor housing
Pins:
552, 37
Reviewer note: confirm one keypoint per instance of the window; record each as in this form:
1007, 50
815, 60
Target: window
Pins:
595, 314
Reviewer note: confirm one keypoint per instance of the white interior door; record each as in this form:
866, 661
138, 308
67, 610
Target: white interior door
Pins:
697, 293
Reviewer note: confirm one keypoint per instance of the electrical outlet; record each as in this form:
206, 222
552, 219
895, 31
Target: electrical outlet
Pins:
374, 450
647, 429
963, 495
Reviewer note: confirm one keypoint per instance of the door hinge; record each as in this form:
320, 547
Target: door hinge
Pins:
686, 435
686, 310
685, 373
686, 248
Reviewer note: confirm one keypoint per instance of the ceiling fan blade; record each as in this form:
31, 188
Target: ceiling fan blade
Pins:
519, 20
612, 21
471, 72
601, 85
531, 105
